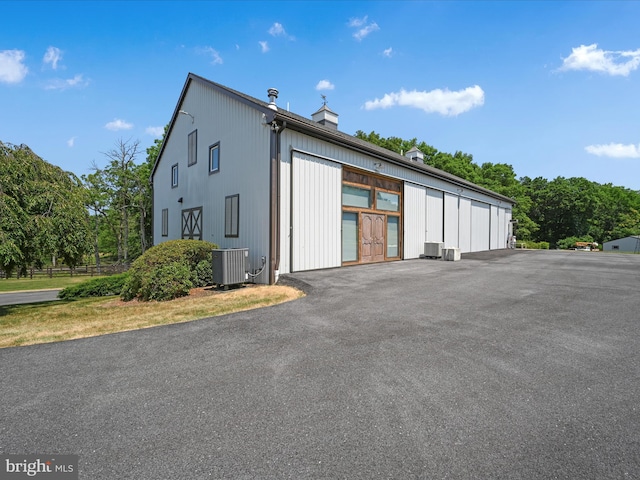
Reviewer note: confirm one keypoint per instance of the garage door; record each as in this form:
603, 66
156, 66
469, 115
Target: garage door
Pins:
480, 230
464, 225
414, 220
316, 213
450, 220
434, 222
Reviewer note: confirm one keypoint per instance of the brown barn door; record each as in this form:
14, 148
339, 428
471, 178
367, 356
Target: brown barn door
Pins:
372, 243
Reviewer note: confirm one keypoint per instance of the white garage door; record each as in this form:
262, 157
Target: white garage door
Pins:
495, 227
316, 213
414, 220
464, 225
450, 220
434, 221
480, 230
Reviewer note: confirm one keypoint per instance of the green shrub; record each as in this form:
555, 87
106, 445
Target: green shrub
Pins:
570, 242
167, 282
534, 245
202, 274
96, 287
169, 259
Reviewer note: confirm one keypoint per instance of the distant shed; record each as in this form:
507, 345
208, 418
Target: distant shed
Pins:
629, 244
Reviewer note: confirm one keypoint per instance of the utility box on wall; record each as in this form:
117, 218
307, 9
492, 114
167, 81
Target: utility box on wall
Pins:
230, 266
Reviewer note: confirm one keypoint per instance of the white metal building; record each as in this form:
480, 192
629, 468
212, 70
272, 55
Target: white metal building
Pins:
627, 245
302, 195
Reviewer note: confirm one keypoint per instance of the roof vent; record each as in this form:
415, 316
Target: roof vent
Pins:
415, 155
325, 116
273, 94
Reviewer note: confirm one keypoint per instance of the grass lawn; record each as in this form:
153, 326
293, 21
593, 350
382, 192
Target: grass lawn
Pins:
39, 283
51, 322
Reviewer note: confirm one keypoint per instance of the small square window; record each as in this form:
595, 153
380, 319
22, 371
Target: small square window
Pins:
231, 215
174, 176
214, 158
615, 247
193, 148
165, 222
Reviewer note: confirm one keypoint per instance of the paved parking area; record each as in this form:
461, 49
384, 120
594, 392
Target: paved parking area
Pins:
512, 365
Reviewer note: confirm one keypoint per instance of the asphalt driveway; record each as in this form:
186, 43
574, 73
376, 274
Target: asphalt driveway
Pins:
512, 365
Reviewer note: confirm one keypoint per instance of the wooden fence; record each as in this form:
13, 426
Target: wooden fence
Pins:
82, 270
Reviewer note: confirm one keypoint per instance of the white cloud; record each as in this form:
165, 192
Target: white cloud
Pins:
216, 59
614, 150
118, 124
77, 81
71, 142
363, 26
12, 70
590, 57
358, 22
277, 30
363, 32
52, 56
444, 102
387, 52
325, 85
264, 47
155, 131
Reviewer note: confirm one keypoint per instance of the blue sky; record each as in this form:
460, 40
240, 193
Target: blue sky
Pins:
552, 88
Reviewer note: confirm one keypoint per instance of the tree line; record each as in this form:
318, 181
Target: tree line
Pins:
559, 211
48, 215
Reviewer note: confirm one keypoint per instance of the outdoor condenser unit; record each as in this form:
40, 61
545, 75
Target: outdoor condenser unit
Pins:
433, 249
230, 266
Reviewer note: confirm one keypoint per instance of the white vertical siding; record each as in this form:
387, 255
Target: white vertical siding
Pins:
502, 228
414, 220
451, 238
316, 213
465, 229
285, 214
440, 227
244, 170
480, 230
495, 227
434, 221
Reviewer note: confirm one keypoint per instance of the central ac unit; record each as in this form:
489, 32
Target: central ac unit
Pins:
230, 266
433, 249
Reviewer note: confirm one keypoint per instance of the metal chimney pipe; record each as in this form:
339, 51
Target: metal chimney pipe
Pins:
273, 94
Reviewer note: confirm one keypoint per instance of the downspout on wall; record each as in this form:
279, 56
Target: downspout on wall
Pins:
274, 190
274, 202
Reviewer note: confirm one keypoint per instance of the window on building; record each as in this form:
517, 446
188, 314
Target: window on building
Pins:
193, 148
356, 196
214, 158
349, 237
192, 223
165, 222
387, 201
174, 176
615, 247
393, 236
231, 215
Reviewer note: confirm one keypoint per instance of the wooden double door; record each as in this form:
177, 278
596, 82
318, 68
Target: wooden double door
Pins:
372, 240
